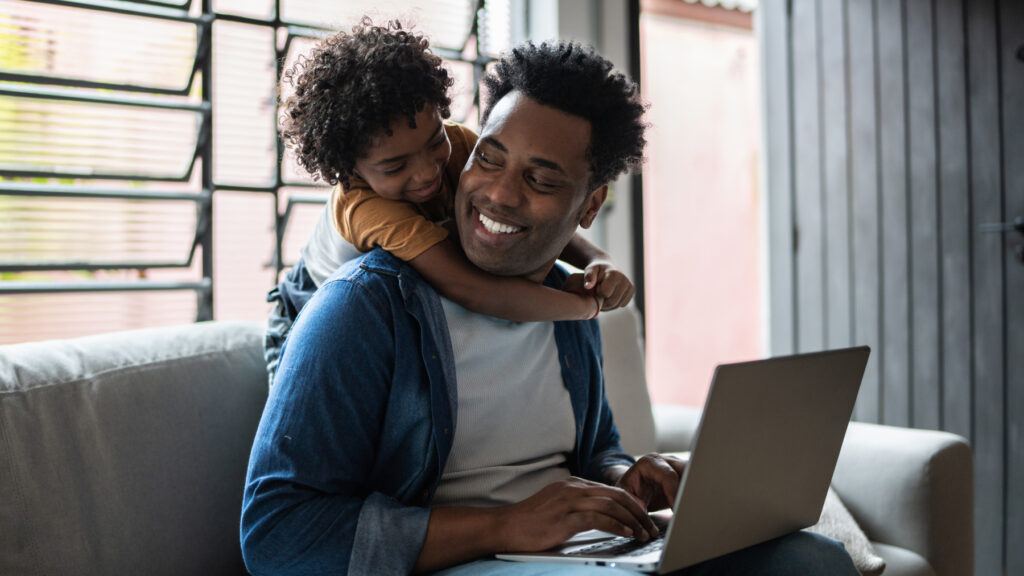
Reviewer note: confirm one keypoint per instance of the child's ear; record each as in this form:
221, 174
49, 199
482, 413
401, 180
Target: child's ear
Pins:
592, 205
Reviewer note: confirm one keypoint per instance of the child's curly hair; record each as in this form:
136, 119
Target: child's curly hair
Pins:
351, 87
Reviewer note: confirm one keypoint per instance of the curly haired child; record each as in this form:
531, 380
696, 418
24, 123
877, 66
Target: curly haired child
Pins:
369, 116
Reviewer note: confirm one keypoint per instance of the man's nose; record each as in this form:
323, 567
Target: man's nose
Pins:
506, 190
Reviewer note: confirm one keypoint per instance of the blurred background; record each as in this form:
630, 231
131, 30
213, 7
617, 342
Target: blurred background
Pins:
820, 173
142, 182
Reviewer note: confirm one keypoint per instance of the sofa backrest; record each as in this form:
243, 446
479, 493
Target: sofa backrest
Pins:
126, 453
625, 384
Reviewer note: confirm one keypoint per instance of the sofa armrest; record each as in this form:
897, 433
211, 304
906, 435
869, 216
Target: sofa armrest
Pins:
913, 489
675, 426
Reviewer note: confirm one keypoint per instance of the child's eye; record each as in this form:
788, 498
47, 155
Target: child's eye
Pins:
394, 171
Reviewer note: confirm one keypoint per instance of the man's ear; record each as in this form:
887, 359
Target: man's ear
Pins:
592, 206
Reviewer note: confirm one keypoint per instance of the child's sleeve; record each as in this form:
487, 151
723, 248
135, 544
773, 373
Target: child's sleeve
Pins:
367, 221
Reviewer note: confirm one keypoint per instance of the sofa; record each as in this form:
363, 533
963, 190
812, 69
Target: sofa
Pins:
126, 453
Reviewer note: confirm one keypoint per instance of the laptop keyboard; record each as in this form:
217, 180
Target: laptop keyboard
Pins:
621, 547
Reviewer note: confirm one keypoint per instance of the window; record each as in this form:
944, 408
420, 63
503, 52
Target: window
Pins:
142, 182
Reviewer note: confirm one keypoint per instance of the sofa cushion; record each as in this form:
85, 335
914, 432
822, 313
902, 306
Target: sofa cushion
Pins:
837, 523
126, 453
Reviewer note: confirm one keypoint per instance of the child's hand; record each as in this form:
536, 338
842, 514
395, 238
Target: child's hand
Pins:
613, 287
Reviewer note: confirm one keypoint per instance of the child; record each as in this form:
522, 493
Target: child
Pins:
367, 116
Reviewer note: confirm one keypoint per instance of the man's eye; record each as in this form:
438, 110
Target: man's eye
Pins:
541, 184
484, 159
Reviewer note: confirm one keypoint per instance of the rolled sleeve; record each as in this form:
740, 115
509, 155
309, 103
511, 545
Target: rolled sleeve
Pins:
382, 522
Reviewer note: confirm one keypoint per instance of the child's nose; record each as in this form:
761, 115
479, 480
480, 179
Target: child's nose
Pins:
428, 172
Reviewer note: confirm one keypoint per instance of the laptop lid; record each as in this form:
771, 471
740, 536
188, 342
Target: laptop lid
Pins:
764, 454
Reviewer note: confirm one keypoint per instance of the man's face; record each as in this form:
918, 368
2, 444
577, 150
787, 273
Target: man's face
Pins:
525, 188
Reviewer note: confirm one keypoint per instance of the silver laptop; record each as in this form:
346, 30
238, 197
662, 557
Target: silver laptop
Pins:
760, 468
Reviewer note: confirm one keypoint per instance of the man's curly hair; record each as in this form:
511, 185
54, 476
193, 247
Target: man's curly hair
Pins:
576, 79
350, 89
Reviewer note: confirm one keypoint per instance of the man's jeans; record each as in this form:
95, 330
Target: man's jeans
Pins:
799, 553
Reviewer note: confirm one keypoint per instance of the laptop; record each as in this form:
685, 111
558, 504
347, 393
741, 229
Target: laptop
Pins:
762, 461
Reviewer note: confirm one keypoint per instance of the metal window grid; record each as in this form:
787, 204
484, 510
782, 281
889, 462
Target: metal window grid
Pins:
26, 85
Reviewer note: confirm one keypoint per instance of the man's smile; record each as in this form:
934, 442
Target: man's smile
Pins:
496, 227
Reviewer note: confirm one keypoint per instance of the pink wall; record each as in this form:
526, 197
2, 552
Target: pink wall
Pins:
700, 203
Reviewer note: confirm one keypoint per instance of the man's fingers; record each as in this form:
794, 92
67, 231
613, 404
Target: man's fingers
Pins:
623, 501
661, 475
639, 523
596, 521
677, 464
609, 508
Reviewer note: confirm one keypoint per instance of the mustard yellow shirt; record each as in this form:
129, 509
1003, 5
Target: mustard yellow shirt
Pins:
404, 229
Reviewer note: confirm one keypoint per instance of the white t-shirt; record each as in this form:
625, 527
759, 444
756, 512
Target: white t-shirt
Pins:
515, 426
326, 250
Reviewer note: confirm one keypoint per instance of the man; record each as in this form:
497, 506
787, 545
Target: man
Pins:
371, 460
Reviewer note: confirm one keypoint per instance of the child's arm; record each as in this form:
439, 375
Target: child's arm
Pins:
446, 268
599, 273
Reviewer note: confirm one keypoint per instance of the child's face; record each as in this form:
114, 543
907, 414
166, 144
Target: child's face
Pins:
408, 164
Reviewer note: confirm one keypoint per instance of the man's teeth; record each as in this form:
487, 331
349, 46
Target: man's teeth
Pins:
497, 227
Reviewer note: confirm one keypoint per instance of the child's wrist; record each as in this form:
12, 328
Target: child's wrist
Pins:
590, 294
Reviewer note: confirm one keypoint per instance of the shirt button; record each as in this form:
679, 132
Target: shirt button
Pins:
424, 495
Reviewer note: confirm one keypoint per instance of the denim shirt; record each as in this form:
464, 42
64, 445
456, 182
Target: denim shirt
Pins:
360, 422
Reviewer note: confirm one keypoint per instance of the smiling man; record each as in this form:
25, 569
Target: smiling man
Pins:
406, 434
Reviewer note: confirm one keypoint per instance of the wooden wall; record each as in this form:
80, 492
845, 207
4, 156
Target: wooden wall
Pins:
894, 132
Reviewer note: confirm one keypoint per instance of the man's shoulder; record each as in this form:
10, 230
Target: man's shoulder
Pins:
375, 266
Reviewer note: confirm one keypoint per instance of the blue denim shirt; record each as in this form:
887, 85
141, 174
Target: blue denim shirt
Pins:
360, 422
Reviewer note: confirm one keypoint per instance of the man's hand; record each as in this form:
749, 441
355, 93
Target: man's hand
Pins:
654, 480
614, 288
569, 507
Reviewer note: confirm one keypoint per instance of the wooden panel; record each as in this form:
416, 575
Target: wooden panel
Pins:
773, 23
1011, 18
987, 258
835, 174
895, 349
864, 189
810, 285
954, 211
921, 132
924, 239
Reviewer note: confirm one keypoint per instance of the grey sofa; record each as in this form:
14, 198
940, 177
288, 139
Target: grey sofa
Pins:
126, 454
